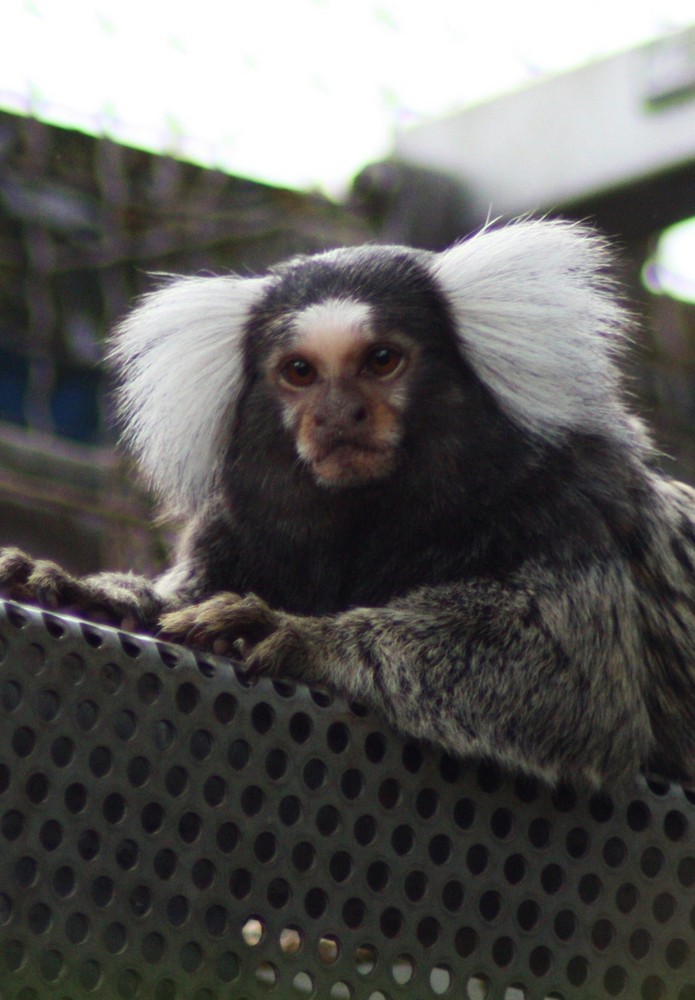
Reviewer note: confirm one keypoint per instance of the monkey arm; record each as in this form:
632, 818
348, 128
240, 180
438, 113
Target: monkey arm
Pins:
528, 678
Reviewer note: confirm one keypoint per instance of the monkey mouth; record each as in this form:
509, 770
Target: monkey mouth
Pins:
351, 463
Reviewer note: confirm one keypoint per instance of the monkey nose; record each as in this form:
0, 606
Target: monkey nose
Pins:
341, 417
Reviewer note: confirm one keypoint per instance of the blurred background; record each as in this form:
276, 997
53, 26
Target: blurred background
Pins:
218, 136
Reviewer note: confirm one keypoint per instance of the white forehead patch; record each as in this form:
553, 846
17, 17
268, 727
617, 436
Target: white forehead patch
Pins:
333, 328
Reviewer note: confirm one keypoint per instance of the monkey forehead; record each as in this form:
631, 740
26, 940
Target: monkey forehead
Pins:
332, 329
381, 276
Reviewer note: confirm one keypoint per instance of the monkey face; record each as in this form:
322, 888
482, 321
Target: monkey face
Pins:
342, 391
363, 355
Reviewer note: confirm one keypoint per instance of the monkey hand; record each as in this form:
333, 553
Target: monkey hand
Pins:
246, 629
109, 598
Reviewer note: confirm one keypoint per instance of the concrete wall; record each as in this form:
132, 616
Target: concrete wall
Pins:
563, 139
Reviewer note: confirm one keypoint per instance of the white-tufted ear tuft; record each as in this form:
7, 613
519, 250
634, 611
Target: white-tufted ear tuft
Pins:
538, 320
179, 354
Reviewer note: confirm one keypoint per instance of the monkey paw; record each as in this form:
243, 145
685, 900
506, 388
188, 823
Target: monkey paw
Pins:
245, 629
35, 581
44, 583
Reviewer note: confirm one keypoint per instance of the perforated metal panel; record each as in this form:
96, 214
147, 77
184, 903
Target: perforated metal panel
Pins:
168, 832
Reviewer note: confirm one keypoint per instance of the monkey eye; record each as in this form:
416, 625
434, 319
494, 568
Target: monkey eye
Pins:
298, 373
383, 361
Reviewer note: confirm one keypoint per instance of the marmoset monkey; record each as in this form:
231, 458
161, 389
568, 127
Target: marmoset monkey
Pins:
413, 477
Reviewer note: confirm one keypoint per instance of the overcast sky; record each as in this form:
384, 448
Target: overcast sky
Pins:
300, 93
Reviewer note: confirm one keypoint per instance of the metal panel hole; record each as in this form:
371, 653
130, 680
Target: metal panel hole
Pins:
354, 912
291, 940
415, 886
440, 980
365, 959
375, 747
303, 985
328, 949
403, 970
352, 784
338, 737
253, 932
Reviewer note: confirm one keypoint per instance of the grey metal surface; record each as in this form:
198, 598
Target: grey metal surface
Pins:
167, 831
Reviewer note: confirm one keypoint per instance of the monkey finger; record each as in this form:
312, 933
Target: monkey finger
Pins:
15, 570
201, 639
52, 588
15, 564
47, 598
131, 622
284, 652
180, 622
228, 638
192, 632
225, 619
103, 615
197, 638
237, 649
223, 647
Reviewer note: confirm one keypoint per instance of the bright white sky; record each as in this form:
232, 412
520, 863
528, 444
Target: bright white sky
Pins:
299, 93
